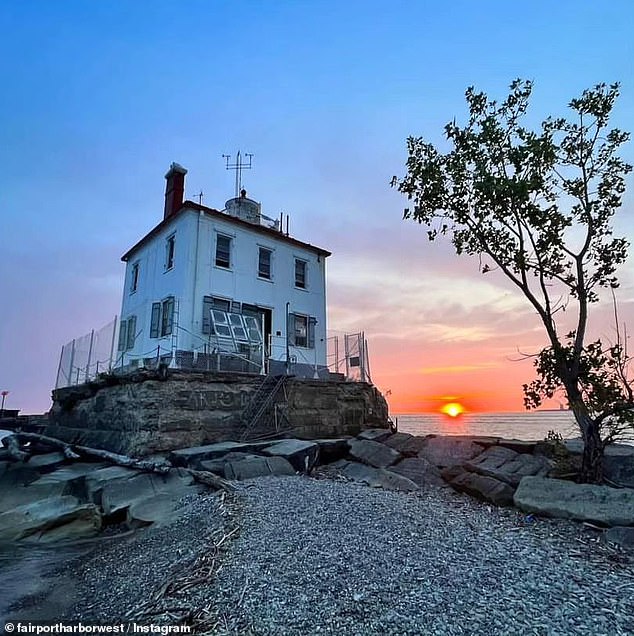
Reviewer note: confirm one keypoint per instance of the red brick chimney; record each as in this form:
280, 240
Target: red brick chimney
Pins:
174, 189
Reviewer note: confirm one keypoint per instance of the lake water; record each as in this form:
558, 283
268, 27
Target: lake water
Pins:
528, 425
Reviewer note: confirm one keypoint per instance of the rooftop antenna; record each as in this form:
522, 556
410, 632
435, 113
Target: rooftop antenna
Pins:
239, 165
200, 196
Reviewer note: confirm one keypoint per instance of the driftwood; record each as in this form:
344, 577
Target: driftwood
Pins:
209, 479
74, 451
13, 446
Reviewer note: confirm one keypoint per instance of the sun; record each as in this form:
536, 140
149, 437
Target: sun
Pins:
453, 409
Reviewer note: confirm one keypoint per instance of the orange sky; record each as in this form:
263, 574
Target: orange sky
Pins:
440, 331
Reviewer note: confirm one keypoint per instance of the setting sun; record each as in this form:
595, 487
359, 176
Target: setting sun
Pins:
453, 409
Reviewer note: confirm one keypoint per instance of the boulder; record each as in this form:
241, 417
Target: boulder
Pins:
375, 434
506, 465
217, 466
17, 474
301, 454
419, 470
73, 477
397, 440
157, 509
330, 450
378, 477
256, 466
584, 502
373, 453
618, 464
118, 495
95, 481
35, 518
449, 451
193, 456
451, 472
406, 444
618, 461
620, 535
483, 487
518, 445
21, 495
47, 462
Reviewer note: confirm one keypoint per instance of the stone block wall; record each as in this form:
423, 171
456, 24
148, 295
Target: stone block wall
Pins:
149, 412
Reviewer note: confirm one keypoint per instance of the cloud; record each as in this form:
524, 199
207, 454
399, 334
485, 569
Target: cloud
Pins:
462, 368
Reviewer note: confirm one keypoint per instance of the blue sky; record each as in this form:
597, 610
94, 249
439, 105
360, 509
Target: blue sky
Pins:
99, 97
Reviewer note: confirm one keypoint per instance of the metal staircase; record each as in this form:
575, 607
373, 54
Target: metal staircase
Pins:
259, 411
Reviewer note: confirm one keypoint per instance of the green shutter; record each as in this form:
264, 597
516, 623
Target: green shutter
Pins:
123, 326
208, 303
290, 329
156, 320
168, 316
131, 332
311, 332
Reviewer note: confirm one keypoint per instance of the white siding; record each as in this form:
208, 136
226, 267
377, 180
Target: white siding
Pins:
196, 275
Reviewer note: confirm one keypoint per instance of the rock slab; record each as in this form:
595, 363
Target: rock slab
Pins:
373, 453
254, 466
447, 451
378, 477
301, 454
507, 465
33, 519
583, 502
484, 487
419, 470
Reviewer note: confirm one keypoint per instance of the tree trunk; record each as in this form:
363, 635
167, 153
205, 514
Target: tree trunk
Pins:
592, 463
592, 459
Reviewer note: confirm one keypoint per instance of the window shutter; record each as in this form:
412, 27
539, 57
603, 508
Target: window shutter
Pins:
311, 332
168, 316
123, 326
290, 329
207, 306
131, 332
156, 320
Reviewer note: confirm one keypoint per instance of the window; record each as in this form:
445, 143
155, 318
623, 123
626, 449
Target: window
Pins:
134, 282
161, 323
302, 331
127, 334
209, 303
170, 245
300, 273
223, 251
264, 263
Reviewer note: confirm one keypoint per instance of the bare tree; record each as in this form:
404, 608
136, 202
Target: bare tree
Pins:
538, 206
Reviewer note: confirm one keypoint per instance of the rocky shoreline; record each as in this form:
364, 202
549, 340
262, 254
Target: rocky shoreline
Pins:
321, 552
322, 555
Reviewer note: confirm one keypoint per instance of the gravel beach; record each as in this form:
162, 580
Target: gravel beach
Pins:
298, 555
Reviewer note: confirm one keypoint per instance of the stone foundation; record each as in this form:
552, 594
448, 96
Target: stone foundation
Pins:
149, 412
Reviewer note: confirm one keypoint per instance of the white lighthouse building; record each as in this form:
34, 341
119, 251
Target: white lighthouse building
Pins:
223, 290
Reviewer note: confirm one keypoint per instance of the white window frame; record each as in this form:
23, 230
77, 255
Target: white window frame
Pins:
308, 338
229, 238
295, 263
264, 248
